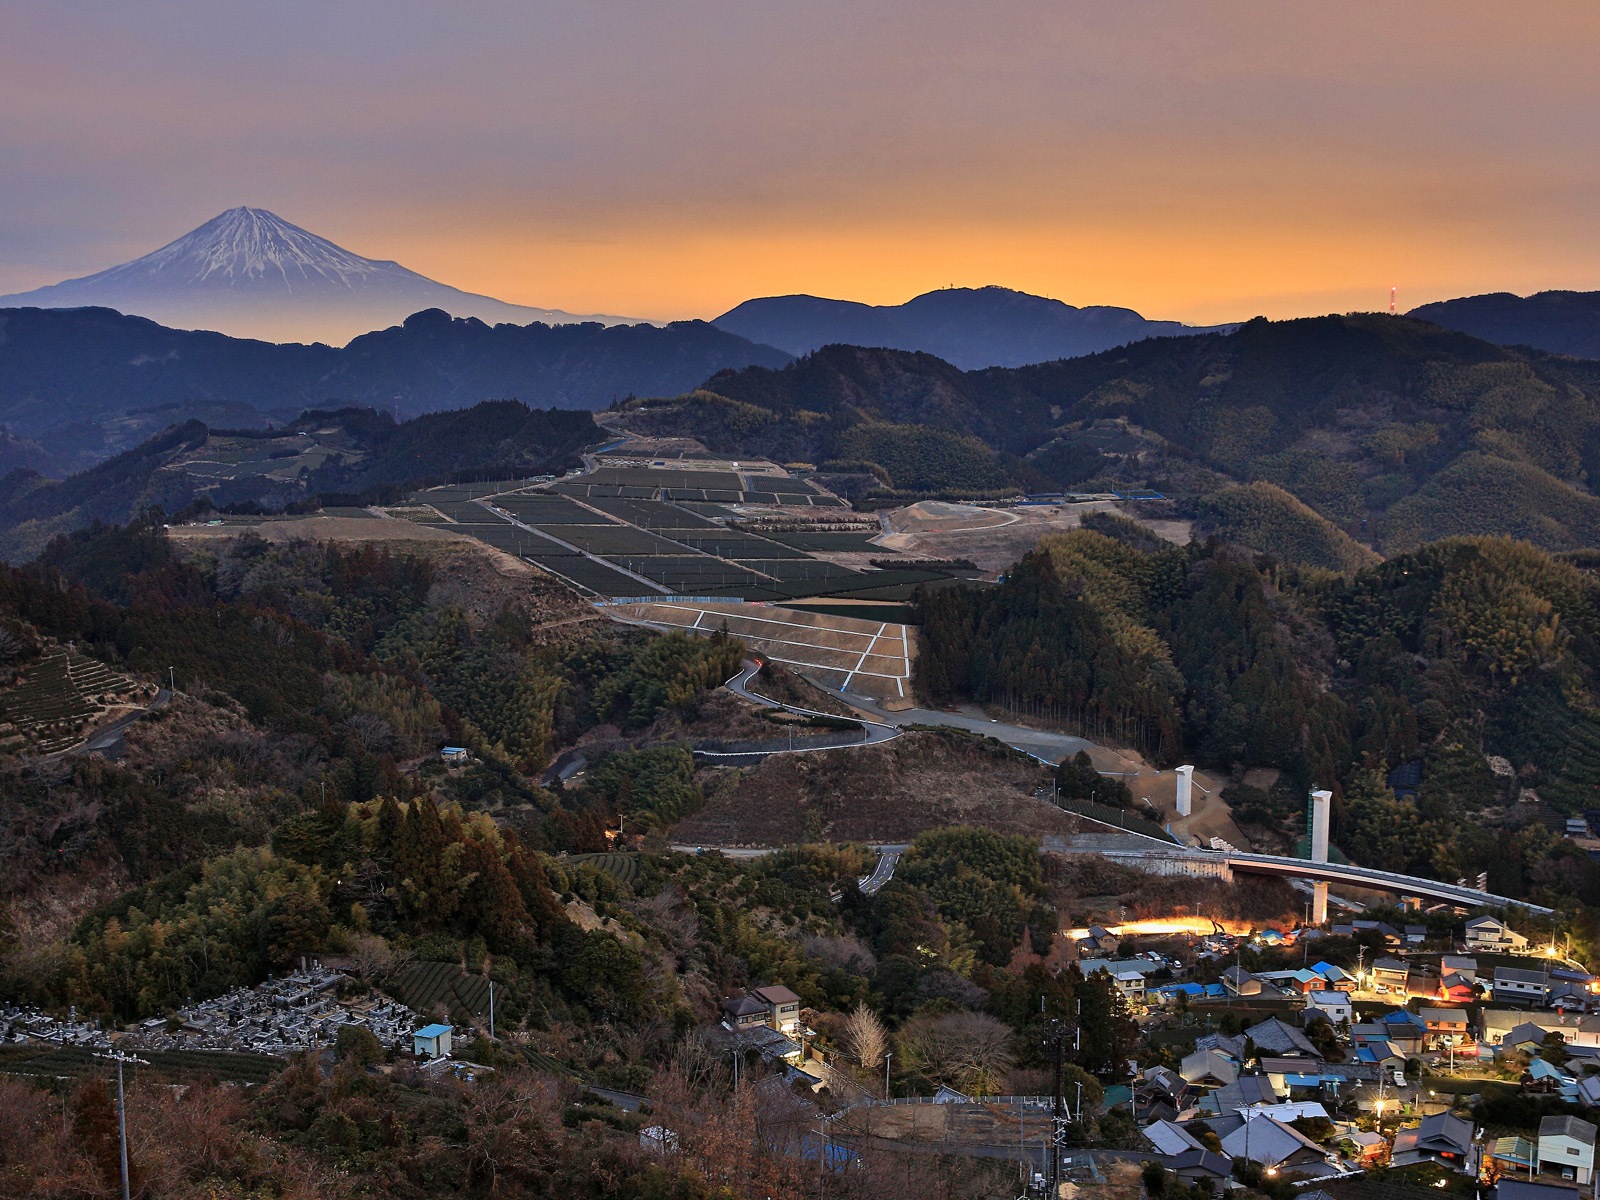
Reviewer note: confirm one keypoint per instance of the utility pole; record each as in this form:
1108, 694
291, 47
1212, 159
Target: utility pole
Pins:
491, 1010
119, 1058
886, 1059
1056, 1036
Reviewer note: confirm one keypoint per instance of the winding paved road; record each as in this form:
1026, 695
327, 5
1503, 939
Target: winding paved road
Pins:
1053, 747
883, 872
109, 737
739, 685
884, 725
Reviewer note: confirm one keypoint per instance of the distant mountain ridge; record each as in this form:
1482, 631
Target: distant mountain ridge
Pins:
1560, 322
970, 328
249, 273
1393, 430
77, 385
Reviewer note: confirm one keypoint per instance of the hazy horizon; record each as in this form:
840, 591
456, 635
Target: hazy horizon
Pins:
1195, 162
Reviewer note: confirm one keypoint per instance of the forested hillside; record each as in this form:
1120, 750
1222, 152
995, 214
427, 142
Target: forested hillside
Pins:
1262, 516
1459, 650
348, 454
80, 384
1393, 430
290, 802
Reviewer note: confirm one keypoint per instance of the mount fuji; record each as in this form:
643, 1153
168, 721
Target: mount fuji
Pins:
250, 273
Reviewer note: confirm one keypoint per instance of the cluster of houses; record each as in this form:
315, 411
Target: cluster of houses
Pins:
1456, 981
1261, 1094
1279, 1093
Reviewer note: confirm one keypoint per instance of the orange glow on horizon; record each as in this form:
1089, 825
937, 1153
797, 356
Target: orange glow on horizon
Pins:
1230, 274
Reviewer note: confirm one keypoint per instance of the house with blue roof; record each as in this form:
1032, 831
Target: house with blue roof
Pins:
1337, 977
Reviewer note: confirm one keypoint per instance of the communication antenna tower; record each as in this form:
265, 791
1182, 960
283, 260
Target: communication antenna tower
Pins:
1391, 301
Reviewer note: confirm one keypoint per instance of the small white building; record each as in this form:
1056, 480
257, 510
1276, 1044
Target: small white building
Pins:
1491, 933
1131, 985
1566, 1148
1336, 1006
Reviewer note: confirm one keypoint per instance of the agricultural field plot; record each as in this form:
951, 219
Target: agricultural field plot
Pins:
467, 513
590, 575
668, 477
799, 569
418, 513
549, 510
513, 539
870, 658
57, 700
612, 540
425, 987
687, 573
653, 514
229, 456
828, 542
620, 865
779, 483
77, 1062
733, 545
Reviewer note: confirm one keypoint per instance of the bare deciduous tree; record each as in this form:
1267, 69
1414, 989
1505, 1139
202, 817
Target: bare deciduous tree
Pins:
970, 1051
865, 1036
373, 958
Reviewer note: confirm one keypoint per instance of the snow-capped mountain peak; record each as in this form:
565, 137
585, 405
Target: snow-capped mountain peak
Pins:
251, 248
250, 273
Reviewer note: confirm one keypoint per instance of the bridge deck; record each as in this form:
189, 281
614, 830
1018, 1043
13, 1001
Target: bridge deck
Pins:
1137, 845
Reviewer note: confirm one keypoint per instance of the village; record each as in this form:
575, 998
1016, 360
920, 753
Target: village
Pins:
1314, 1075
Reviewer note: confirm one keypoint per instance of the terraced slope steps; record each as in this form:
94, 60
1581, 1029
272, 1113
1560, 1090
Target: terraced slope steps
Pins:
58, 700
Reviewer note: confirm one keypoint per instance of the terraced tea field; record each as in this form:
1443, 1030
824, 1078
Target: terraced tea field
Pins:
76, 1062
426, 986
58, 699
623, 867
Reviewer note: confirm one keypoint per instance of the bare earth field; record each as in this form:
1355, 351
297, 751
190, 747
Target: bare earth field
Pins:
995, 538
872, 658
321, 529
885, 793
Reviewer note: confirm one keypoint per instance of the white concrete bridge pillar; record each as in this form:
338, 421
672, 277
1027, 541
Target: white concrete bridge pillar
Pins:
1185, 795
1321, 805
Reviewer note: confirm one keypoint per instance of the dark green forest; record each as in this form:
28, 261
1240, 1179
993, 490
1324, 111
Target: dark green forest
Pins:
1462, 649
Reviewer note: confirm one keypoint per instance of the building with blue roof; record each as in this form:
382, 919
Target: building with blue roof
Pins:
431, 1041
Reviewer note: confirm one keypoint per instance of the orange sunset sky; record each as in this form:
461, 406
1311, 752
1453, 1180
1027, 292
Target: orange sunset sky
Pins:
1196, 161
